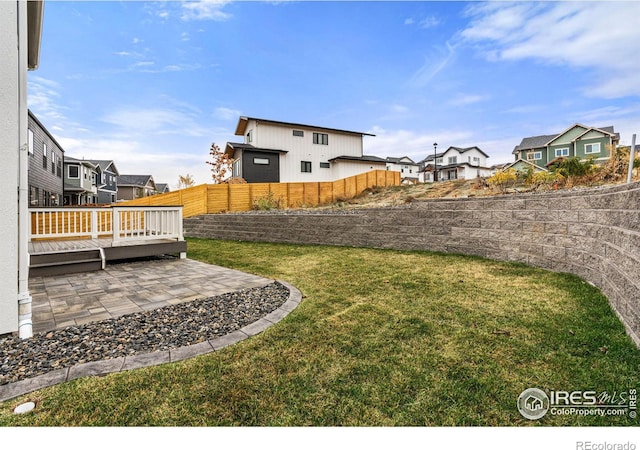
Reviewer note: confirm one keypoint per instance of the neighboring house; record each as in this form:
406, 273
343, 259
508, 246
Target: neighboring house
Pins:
46, 156
409, 170
20, 33
107, 181
162, 188
80, 182
524, 166
131, 187
275, 151
498, 167
578, 140
457, 163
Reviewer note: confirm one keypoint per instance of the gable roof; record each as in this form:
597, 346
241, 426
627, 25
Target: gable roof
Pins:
104, 165
84, 162
466, 149
400, 160
535, 166
533, 142
244, 121
162, 187
135, 180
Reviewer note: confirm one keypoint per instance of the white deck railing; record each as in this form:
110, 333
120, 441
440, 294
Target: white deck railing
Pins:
120, 223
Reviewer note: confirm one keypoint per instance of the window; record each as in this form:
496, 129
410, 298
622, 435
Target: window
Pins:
298, 133
44, 156
534, 156
452, 160
320, 138
476, 159
325, 165
73, 171
562, 151
30, 142
261, 161
438, 160
249, 136
53, 162
305, 166
592, 148
59, 167
236, 168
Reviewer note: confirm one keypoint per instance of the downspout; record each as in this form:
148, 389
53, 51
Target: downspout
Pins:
25, 324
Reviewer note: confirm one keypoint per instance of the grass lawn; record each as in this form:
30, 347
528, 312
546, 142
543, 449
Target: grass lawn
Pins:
382, 338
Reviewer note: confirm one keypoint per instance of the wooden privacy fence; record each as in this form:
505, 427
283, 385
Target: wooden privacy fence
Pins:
216, 198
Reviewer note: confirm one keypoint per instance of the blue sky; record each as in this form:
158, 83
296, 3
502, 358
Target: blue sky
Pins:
152, 84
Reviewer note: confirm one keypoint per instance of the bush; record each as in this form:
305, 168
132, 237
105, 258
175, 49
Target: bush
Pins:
267, 202
503, 179
540, 179
573, 167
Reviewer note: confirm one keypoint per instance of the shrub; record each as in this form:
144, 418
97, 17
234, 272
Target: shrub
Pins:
267, 202
503, 179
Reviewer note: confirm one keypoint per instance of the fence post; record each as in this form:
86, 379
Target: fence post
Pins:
115, 225
94, 224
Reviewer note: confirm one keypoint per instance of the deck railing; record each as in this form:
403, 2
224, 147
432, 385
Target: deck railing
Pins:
120, 223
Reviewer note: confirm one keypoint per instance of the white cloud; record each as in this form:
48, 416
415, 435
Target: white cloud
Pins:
205, 10
468, 99
409, 21
226, 113
585, 35
159, 121
429, 22
432, 66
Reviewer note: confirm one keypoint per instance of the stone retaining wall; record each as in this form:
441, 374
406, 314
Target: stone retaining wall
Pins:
593, 233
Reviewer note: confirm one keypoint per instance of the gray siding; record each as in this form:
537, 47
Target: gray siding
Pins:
44, 182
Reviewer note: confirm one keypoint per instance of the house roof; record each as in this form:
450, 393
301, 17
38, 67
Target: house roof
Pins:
535, 166
430, 157
36, 120
400, 160
466, 149
84, 162
532, 142
233, 146
135, 180
162, 187
34, 33
244, 121
104, 165
363, 158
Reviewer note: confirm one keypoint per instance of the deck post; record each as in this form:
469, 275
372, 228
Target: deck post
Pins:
115, 225
94, 224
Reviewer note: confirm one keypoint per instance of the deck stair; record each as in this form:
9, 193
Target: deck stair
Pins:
70, 261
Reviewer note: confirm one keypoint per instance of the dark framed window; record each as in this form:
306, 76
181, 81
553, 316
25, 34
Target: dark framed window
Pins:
73, 171
325, 165
298, 133
44, 156
321, 138
261, 161
305, 166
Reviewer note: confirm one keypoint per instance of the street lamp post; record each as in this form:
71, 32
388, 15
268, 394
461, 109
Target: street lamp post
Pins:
435, 162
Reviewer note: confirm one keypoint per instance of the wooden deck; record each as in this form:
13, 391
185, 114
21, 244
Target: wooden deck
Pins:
55, 257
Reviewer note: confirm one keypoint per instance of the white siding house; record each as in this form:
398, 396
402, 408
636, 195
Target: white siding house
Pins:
409, 170
20, 31
274, 151
457, 164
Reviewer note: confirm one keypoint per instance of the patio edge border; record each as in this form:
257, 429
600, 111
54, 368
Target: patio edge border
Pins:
121, 364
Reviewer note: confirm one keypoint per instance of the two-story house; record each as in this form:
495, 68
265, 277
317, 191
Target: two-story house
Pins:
46, 156
457, 163
576, 141
409, 170
80, 182
107, 181
163, 188
275, 151
131, 187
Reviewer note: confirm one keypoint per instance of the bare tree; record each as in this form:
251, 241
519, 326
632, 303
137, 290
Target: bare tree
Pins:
185, 181
221, 164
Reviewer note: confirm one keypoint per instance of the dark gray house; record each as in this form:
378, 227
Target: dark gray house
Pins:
46, 156
131, 187
80, 182
107, 181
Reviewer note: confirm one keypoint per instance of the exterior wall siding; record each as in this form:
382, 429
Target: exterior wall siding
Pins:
594, 234
45, 179
266, 135
10, 141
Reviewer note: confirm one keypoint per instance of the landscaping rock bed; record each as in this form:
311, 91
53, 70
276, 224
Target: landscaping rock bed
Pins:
165, 328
